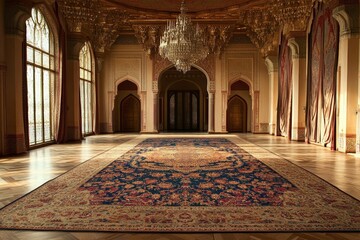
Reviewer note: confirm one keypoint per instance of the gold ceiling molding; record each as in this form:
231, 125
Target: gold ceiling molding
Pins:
149, 37
217, 37
107, 28
103, 20
79, 15
292, 14
261, 26
90, 18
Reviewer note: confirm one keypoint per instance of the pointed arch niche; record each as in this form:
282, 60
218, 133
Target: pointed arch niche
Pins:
238, 116
127, 108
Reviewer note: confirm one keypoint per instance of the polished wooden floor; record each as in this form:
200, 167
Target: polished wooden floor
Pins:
21, 174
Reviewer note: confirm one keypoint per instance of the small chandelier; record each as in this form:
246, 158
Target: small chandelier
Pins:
182, 42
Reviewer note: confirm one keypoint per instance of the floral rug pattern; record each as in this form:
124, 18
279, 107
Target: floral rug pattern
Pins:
185, 184
187, 172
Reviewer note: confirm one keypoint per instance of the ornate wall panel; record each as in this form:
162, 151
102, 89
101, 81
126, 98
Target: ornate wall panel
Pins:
127, 66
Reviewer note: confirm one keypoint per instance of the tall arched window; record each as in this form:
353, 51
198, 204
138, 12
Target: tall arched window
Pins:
86, 89
40, 59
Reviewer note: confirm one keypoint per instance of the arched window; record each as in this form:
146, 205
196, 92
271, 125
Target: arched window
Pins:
40, 61
86, 89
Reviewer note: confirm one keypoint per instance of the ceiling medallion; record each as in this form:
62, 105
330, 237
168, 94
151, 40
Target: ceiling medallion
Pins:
182, 42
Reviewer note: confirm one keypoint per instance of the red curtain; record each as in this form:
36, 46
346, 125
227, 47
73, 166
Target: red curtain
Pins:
321, 88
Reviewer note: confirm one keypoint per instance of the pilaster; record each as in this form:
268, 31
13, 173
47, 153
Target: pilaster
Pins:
2, 78
13, 77
99, 61
348, 78
297, 45
256, 128
272, 66
72, 88
211, 112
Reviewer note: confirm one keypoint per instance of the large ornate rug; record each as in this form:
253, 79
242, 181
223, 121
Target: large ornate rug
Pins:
184, 185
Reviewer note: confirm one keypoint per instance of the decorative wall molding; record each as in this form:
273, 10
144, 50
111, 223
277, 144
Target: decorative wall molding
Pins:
348, 19
208, 65
298, 47
271, 63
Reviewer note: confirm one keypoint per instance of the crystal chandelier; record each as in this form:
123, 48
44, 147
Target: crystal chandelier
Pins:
182, 42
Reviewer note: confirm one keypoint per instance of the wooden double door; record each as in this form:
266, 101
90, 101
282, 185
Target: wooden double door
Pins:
183, 111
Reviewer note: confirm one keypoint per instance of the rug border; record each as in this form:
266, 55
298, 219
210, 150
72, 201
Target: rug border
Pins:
229, 138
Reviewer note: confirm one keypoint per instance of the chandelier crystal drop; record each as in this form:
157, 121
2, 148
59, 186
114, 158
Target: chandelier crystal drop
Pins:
182, 42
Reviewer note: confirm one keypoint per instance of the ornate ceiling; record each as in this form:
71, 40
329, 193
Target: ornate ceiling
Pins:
260, 20
194, 6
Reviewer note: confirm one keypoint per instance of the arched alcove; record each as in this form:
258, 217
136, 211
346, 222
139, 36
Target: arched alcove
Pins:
127, 108
239, 110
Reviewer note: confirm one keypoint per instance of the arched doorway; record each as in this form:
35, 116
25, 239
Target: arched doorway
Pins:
237, 114
127, 108
130, 114
183, 101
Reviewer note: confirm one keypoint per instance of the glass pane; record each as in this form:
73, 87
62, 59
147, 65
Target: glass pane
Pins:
187, 112
194, 112
38, 105
88, 76
89, 109
86, 107
172, 111
46, 63
46, 103
52, 63
31, 115
37, 57
179, 111
45, 40
37, 39
82, 97
88, 61
52, 91
81, 73
30, 54
52, 44
30, 31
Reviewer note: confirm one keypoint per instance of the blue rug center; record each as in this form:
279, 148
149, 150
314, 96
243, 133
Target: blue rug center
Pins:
187, 172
